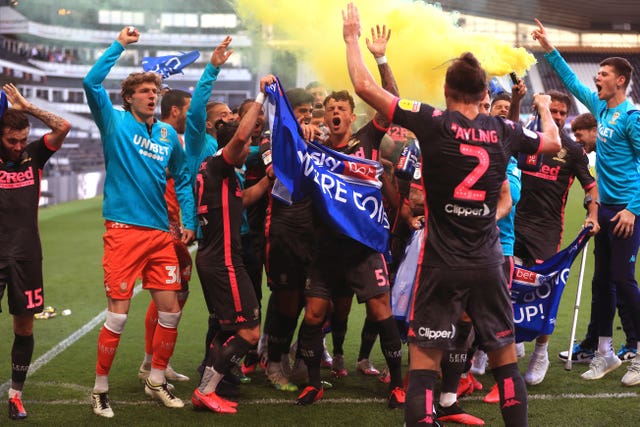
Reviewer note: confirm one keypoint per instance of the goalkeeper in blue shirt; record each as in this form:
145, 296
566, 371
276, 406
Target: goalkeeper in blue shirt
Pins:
618, 177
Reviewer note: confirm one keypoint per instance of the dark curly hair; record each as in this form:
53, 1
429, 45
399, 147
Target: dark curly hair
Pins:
226, 130
466, 80
13, 119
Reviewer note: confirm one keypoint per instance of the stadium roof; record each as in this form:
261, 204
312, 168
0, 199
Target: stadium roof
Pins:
578, 15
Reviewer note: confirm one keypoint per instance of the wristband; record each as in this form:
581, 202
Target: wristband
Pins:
260, 98
381, 60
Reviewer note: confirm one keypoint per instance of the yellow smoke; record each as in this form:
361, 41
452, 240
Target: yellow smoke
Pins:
423, 41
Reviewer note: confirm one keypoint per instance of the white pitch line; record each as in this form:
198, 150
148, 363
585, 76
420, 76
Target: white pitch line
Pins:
65, 343
347, 400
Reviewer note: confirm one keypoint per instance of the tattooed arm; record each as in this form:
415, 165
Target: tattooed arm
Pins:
59, 126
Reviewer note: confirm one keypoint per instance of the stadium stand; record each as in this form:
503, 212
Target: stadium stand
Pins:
47, 52
41, 52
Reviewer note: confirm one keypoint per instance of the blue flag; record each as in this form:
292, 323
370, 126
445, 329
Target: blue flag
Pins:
170, 64
345, 189
536, 291
3, 103
402, 289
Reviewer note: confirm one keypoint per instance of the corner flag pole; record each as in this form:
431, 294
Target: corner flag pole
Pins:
576, 307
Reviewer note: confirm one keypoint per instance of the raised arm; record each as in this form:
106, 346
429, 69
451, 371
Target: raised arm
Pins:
59, 126
378, 47
550, 134
518, 91
540, 34
97, 97
235, 150
363, 82
197, 113
564, 72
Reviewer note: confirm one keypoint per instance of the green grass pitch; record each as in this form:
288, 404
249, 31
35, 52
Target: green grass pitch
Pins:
57, 393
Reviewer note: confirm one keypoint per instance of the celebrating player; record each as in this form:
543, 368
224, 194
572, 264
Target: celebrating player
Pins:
21, 166
464, 157
138, 151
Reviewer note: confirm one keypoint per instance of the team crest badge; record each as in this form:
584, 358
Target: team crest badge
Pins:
163, 133
614, 118
560, 156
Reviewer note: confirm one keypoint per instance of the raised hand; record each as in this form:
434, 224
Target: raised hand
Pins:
221, 53
540, 34
518, 91
267, 80
541, 101
378, 43
128, 35
350, 23
15, 98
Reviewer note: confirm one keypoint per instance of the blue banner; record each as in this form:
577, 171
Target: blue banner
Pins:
536, 291
345, 189
3, 103
402, 289
169, 64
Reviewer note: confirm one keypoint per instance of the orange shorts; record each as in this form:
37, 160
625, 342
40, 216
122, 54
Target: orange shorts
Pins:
182, 251
132, 252
184, 261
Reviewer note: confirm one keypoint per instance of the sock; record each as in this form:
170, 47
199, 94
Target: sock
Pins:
13, 392
418, 407
263, 343
150, 322
210, 380
270, 312
540, 348
212, 331
338, 334
391, 346
21, 353
310, 349
107, 345
452, 366
282, 328
447, 398
101, 384
164, 341
367, 338
217, 341
156, 376
513, 395
147, 359
605, 346
470, 353
229, 354
252, 358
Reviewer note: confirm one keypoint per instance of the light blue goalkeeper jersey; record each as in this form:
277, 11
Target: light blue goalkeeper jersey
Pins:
507, 224
198, 143
136, 158
617, 144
